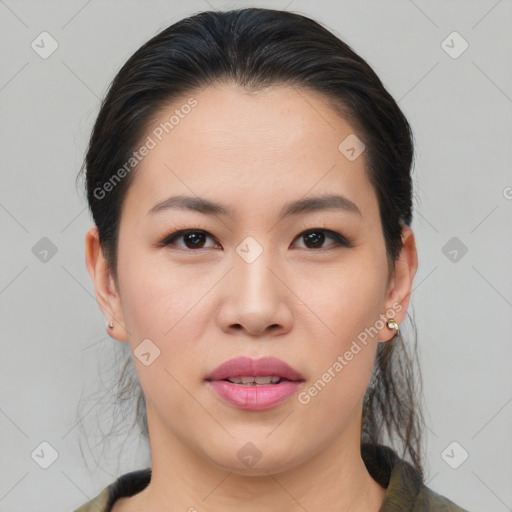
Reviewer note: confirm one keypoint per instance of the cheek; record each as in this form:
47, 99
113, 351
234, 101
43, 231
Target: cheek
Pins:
349, 304
342, 361
347, 298
157, 295
166, 305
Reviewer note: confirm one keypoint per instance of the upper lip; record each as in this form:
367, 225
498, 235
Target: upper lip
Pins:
248, 367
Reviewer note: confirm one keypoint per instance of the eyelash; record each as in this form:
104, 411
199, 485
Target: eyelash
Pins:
339, 240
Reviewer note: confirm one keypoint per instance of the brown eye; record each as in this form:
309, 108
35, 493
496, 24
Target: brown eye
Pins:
197, 239
315, 238
192, 239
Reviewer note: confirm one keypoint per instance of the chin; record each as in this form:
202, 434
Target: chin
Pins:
251, 461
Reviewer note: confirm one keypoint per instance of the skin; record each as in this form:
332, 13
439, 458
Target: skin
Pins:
300, 302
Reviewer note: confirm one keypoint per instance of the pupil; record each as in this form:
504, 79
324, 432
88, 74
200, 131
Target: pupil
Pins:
194, 238
316, 238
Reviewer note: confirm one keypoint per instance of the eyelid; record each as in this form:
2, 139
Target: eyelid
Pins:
340, 239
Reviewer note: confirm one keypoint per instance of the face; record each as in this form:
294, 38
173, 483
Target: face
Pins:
308, 286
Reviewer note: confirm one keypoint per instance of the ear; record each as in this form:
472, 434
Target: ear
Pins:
107, 296
400, 284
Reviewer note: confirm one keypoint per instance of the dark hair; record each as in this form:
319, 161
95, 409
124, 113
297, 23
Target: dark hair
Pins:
258, 48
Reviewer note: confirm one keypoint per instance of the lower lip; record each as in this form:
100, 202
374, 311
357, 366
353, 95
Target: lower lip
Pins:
255, 398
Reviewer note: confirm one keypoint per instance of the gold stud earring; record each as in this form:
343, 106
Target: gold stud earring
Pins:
110, 325
392, 324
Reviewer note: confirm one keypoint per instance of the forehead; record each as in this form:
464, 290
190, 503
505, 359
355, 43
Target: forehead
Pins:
280, 142
227, 117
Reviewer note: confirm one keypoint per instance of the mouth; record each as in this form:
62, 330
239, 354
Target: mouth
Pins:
255, 384
266, 371
256, 381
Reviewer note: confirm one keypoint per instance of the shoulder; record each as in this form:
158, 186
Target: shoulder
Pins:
124, 486
429, 500
405, 489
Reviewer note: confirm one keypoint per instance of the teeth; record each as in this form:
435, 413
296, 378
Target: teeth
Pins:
251, 381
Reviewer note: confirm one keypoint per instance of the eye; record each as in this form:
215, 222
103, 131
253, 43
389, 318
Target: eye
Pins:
192, 239
317, 236
312, 238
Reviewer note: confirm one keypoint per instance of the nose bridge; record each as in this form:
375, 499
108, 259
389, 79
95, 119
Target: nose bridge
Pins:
253, 261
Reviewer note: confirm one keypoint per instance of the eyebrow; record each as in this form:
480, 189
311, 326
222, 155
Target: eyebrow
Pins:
301, 206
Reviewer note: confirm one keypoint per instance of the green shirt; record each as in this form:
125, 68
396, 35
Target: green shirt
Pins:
405, 490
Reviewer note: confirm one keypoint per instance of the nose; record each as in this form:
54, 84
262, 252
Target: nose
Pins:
256, 299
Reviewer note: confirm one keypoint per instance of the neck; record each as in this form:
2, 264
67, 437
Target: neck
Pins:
334, 479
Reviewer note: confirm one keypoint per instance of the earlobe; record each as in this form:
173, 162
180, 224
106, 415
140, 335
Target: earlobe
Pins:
401, 284
104, 286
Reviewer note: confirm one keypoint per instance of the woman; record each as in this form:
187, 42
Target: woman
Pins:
249, 180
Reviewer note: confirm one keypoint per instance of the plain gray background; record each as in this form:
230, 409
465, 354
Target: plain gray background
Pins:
53, 334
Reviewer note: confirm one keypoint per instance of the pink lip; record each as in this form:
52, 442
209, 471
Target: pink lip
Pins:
255, 398
245, 366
